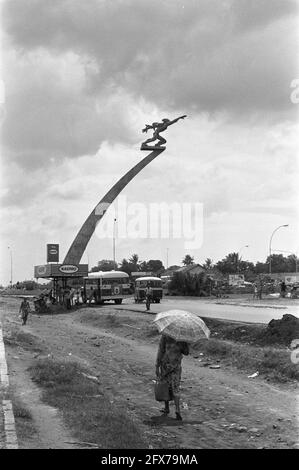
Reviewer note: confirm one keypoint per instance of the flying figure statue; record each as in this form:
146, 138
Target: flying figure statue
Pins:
158, 127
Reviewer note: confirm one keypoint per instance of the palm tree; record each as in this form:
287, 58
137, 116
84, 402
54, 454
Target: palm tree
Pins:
134, 259
135, 262
188, 260
208, 264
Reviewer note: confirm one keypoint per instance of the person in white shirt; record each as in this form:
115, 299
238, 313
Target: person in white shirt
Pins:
148, 296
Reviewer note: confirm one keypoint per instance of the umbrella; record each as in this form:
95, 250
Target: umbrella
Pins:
182, 325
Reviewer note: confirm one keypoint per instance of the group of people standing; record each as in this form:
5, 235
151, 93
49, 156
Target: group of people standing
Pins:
68, 296
258, 289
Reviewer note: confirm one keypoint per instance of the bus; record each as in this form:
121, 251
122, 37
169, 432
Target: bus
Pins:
107, 285
155, 284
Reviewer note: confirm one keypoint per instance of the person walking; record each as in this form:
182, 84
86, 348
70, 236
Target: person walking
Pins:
148, 296
169, 369
254, 290
24, 310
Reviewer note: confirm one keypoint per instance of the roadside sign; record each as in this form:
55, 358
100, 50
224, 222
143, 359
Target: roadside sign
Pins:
236, 279
68, 268
52, 253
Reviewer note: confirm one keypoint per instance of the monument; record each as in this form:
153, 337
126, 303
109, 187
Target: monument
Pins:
71, 266
78, 246
158, 127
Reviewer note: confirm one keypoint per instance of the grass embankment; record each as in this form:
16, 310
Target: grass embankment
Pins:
86, 408
24, 421
232, 344
272, 363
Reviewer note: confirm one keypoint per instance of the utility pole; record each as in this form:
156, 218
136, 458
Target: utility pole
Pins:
10, 265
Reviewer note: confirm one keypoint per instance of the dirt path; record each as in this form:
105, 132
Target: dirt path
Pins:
50, 432
221, 408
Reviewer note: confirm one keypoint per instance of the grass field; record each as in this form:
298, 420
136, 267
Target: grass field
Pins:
86, 406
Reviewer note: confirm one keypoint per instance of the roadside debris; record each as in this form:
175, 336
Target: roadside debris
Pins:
90, 377
253, 430
252, 376
241, 429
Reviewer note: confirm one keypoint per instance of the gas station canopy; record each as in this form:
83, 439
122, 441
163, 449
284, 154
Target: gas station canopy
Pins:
48, 271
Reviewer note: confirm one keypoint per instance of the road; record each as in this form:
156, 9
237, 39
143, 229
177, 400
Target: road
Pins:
226, 309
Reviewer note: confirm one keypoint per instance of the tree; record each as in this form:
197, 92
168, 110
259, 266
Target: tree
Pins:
104, 265
126, 266
135, 262
188, 260
261, 268
208, 264
282, 264
292, 263
188, 284
155, 266
229, 264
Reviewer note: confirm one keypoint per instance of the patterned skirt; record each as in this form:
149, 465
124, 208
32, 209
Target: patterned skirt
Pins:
173, 378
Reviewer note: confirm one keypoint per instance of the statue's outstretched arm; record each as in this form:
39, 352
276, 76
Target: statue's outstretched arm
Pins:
177, 119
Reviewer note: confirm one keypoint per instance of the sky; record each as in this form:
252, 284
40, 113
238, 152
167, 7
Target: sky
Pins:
81, 79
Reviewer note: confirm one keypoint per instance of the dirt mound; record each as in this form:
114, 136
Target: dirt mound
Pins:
281, 331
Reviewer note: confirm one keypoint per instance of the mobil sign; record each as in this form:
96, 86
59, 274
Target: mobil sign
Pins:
68, 268
52, 253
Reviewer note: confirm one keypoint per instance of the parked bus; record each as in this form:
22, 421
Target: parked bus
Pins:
107, 285
155, 284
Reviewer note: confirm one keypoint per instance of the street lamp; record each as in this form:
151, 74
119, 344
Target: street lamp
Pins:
280, 226
10, 265
239, 258
167, 249
114, 225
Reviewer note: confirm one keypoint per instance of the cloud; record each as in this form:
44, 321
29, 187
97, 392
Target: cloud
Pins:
201, 56
82, 79
49, 114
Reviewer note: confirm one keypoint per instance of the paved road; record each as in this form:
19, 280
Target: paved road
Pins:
235, 310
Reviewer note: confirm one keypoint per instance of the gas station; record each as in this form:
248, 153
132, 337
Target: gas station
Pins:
60, 274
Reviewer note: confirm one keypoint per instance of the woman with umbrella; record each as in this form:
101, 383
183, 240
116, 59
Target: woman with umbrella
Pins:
178, 328
169, 369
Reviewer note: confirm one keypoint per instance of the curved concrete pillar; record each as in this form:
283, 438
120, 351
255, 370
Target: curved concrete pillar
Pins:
78, 246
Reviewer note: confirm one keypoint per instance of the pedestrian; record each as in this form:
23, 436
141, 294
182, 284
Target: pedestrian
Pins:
90, 296
67, 298
169, 369
254, 290
72, 295
24, 310
260, 289
77, 298
51, 297
148, 296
